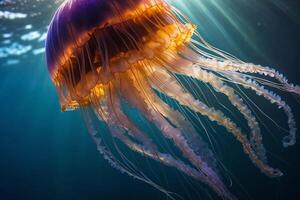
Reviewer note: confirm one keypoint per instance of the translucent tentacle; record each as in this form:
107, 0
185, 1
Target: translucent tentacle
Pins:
112, 160
140, 98
107, 112
196, 56
266, 71
176, 118
220, 86
164, 158
230, 68
174, 90
273, 98
189, 133
126, 123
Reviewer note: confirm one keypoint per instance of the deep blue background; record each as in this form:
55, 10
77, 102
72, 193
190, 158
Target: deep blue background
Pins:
46, 154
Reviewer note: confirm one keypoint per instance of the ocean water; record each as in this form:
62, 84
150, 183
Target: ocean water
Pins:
46, 154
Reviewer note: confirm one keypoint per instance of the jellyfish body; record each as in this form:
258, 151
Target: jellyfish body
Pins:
103, 52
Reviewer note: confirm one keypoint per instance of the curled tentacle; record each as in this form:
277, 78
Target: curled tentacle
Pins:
220, 86
174, 90
189, 60
289, 140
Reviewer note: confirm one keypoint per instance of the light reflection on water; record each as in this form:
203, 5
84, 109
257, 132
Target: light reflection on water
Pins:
27, 20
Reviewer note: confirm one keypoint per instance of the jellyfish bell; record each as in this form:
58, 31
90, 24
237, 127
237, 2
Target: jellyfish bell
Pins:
100, 52
90, 41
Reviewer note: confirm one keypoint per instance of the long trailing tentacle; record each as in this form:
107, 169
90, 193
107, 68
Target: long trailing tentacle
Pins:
140, 98
105, 112
202, 53
231, 64
127, 124
114, 162
189, 133
180, 119
288, 140
187, 58
177, 118
173, 89
108, 113
220, 86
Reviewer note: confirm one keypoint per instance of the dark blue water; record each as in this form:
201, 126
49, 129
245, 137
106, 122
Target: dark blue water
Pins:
46, 154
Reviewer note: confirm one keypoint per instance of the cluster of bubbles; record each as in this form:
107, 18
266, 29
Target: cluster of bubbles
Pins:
11, 15
23, 28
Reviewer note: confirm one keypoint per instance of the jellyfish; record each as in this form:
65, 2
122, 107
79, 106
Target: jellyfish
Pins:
102, 53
